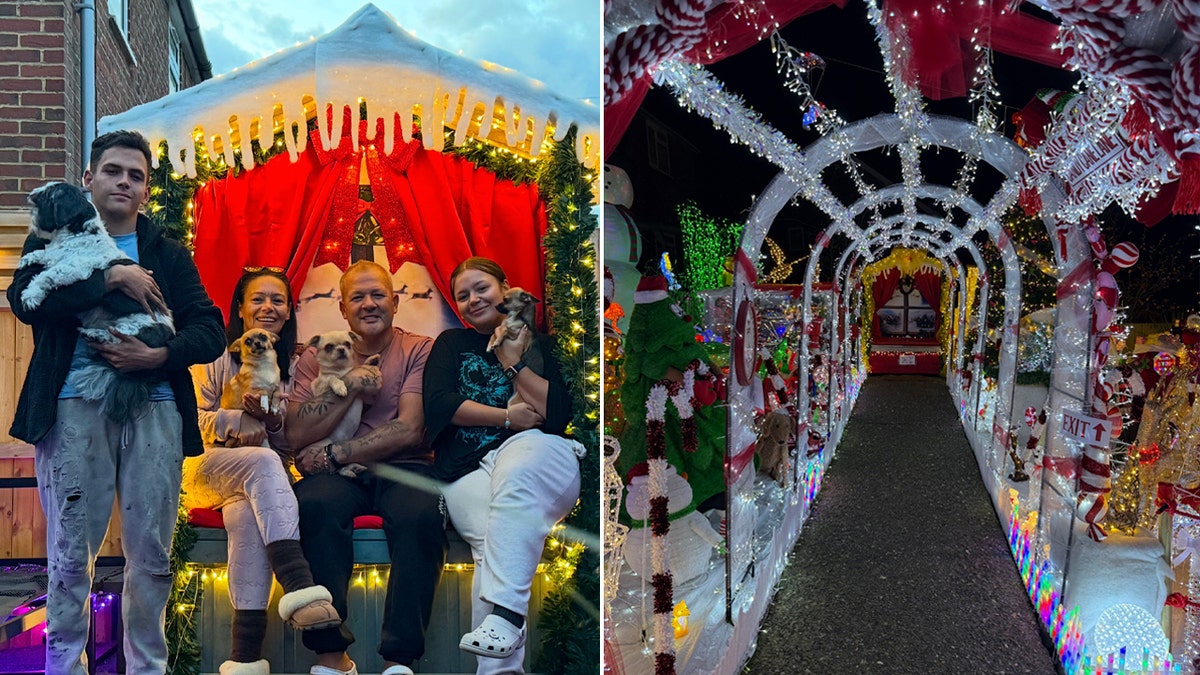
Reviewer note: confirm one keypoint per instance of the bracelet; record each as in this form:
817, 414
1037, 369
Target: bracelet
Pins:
507, 421
333, 463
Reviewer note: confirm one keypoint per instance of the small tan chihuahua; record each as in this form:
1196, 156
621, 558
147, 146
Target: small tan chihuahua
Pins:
259, 372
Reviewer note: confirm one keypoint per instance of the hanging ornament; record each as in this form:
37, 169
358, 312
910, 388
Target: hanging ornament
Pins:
1124, 255
801, 73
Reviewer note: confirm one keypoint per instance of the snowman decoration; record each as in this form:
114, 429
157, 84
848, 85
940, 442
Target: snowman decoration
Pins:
691, 539
622, 243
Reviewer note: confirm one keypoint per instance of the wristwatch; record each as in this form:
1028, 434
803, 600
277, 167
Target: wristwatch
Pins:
510, 373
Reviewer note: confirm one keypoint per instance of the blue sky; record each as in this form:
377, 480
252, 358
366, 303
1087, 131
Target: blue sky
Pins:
555, 41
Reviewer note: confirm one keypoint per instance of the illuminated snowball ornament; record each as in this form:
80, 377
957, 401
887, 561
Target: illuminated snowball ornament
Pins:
1131, 628
1163, 363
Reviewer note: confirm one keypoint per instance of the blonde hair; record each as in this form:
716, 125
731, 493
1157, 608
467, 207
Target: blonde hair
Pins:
366, 266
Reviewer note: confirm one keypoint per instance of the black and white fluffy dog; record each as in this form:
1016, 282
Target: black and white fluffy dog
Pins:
79, 245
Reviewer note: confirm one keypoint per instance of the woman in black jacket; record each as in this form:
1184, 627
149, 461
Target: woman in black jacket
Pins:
511, 473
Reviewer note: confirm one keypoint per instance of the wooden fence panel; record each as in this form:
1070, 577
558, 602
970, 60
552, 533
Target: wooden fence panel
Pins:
28, 522
16, 347
6, 511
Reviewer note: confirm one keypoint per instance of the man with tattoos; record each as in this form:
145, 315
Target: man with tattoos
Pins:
392, 432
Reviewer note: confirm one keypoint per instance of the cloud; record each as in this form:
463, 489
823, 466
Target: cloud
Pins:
224, 55
555, 41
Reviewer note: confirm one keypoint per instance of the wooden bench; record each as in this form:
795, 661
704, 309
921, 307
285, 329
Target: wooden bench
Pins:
370, 544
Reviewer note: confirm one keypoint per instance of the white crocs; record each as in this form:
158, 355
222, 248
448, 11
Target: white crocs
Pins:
326, 670
495, 638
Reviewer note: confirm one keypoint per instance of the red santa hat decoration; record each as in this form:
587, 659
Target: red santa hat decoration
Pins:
650, 290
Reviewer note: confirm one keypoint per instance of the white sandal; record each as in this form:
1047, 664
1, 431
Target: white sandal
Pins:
494, 638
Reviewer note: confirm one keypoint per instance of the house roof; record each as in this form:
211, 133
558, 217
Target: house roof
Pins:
370, 59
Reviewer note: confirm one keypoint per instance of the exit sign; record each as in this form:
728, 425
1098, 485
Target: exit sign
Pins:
1086, 430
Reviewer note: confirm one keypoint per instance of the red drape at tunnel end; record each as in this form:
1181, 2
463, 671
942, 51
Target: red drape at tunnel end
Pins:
277, 214
885, 285
930, 286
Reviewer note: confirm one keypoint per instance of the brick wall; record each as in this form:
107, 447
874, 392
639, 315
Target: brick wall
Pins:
122, 83
33, 128
40, 85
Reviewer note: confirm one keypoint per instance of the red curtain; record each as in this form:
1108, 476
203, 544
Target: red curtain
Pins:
886, 284
728, 32
270, 216
617, 116
930, 286
456, 211
277, 215
942, 56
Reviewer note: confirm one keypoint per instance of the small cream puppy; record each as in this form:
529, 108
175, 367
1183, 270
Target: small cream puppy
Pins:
335, 357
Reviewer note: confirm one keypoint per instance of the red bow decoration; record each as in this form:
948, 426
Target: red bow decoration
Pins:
1168, 497
346, 207
1181, 601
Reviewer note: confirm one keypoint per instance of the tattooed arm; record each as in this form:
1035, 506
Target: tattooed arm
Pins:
311, 418
394, 441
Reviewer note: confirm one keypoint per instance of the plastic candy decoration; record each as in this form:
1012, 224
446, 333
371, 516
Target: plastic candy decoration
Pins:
679, 619
1124, 255
1163, 363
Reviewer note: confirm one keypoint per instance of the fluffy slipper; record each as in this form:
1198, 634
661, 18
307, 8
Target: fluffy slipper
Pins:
495, 638
309, 608
326, 670
259, 667
397, 669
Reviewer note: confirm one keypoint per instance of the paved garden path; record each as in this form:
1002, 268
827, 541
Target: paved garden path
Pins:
902, 566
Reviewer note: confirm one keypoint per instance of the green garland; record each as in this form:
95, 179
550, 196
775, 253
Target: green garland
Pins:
183, 646
570, 615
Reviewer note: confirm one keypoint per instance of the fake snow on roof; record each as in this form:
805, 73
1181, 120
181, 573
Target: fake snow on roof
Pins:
369, 59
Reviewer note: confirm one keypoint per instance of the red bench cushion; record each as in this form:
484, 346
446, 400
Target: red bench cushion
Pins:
213, 518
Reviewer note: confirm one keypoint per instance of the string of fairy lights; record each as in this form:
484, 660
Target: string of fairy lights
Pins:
1044, 168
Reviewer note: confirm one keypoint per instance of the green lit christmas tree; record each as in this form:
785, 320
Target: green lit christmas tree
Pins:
658, 345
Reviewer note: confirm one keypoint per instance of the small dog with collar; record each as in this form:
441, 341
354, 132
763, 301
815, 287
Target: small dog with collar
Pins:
258, 374
520, 308
335, 356
77, 246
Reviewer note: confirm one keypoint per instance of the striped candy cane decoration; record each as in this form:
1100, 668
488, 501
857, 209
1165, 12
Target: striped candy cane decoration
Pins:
1095, 476
660, 527
662, 583
1185, 89
680, 25
1095, 482
684, 398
